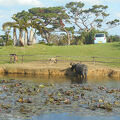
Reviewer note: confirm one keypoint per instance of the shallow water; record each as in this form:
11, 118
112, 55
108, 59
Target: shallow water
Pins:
63, 112
68, 116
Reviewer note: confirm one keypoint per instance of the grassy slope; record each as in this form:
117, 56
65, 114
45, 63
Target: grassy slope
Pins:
100, 50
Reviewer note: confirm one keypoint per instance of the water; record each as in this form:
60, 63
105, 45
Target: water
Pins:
94, 80
67, 114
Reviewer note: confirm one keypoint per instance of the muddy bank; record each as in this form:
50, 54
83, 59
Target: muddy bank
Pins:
59, 69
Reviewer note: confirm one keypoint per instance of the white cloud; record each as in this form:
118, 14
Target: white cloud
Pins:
1, 16
20, 2
91, 2
118, 15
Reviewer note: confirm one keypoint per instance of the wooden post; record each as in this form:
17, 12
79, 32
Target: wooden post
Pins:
10, 58
93, 60
22, 58
14, 58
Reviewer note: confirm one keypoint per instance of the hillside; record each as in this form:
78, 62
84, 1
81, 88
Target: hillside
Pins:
97, 50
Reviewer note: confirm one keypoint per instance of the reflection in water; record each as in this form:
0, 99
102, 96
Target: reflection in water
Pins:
61, 80
37, 79
77, 80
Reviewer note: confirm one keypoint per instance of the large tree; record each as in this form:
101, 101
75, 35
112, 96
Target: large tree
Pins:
86, 19
48, 20
21, 28
13, 25
25, 18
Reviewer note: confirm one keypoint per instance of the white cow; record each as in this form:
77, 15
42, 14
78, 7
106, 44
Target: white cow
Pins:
53, 60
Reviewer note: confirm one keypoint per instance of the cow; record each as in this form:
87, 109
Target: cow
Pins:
80, 69
53, 60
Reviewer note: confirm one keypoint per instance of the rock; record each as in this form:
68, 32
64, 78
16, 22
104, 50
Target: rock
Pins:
42, 86
67, 101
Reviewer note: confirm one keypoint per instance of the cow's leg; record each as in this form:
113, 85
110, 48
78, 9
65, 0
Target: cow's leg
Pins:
85, 75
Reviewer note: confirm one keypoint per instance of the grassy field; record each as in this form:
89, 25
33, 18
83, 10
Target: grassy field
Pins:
98, 50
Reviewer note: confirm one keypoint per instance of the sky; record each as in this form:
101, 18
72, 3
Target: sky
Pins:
10, 7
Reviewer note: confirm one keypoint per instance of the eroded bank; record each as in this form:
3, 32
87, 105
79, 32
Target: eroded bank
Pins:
59, 69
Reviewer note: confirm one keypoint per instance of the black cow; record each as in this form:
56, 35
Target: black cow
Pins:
80, 69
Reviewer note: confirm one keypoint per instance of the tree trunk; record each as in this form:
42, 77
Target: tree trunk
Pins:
68, 36
72, 36
47, 36
34, 39
15, 37
21, 38
31, 37
26, 38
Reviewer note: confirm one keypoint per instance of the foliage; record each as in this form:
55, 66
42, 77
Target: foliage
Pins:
2, 40
44, 22
113, 23
48, 20
114, 38
5, 41
88, 37
87, 19
10, 42
42, 42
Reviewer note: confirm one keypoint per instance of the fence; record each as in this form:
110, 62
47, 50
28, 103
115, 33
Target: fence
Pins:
12, 58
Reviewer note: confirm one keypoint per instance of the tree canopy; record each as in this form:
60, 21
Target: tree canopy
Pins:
75, 20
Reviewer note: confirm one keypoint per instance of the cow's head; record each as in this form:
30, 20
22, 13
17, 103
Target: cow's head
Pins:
73, 65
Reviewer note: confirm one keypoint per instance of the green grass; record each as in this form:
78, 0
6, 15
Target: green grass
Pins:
98, 50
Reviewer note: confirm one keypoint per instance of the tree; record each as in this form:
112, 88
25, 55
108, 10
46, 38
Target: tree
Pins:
63, 40
67, 30
113, 23
48, 20
6, 39
9, 25
21, 28
113, 38
86, 19
25, 18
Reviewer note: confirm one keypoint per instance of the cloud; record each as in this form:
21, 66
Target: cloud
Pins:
20, 2
118, 15
112, 0
5, 15
91, 2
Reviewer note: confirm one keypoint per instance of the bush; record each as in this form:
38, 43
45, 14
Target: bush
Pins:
42, 42
114, 38
88, 37
9, 42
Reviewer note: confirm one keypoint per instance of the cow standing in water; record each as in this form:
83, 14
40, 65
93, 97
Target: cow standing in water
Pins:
80, 70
